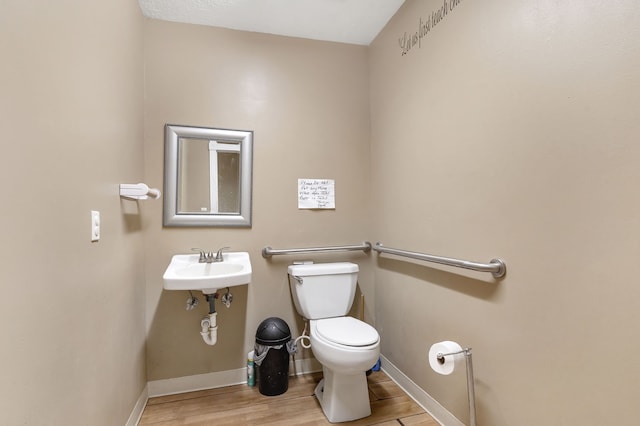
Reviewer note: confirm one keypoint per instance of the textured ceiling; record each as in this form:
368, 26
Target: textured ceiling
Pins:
345, 21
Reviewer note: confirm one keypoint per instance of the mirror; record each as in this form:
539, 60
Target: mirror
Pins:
207, 176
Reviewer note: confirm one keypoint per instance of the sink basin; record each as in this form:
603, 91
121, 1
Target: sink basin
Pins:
185, 273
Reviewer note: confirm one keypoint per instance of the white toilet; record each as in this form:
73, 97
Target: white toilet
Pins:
346, 347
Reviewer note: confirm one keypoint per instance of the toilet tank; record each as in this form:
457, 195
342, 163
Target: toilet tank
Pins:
323, 290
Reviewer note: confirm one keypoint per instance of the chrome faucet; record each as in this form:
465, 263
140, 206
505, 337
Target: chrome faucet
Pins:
204, 256
209, 257
219, 254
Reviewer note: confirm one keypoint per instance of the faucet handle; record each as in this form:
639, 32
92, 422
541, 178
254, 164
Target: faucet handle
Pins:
219, 254
203, 255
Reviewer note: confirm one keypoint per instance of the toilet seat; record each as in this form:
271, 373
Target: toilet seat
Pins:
347, 331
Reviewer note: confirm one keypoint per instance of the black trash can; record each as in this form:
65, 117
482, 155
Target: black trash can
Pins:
272, 356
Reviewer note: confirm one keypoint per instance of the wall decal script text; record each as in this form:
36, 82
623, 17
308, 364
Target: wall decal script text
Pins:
409, 40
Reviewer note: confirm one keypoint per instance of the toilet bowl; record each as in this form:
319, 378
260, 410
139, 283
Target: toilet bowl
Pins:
346, 347
343, 392
345, 344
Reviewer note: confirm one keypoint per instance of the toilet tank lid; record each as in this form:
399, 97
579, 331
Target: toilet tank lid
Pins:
322, 269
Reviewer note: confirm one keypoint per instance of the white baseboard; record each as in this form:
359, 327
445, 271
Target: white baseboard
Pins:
136, 413
220, 379
430, 405
197, 382
304, 366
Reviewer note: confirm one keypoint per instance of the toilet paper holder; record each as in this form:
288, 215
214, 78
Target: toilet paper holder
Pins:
470, 387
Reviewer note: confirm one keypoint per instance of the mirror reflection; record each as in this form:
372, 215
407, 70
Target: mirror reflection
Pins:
207, 176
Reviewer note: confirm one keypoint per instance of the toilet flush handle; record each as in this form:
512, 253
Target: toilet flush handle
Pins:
297, 278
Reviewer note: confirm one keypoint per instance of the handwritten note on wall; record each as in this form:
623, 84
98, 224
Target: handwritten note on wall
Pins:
316, 194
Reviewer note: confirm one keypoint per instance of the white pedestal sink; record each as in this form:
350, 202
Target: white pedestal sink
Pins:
186, 273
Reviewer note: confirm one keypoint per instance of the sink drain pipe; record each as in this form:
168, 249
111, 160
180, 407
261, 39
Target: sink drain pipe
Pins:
209, 323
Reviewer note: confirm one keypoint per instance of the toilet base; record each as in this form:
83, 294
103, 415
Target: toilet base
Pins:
343, 397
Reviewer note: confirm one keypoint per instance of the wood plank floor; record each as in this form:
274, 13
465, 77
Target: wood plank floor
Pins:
243, 405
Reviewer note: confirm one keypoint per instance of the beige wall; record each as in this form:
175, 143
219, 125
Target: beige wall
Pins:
71, 311
509, 131
307, 103
512, 130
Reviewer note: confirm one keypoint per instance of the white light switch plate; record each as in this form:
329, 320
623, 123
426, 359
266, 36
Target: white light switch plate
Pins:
95, 225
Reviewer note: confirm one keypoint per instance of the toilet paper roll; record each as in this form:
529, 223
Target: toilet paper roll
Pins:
449, 363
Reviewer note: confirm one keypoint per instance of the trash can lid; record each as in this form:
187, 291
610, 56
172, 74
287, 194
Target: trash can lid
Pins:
273, 331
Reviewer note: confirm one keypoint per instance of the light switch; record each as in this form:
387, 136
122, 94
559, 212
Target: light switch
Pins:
95, 225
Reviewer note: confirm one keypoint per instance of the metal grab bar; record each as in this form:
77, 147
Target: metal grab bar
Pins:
497, 267
268, 251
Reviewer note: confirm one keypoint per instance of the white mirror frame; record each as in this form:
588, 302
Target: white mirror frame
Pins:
171, 214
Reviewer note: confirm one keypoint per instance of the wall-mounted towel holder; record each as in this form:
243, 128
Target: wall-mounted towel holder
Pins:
138, 191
